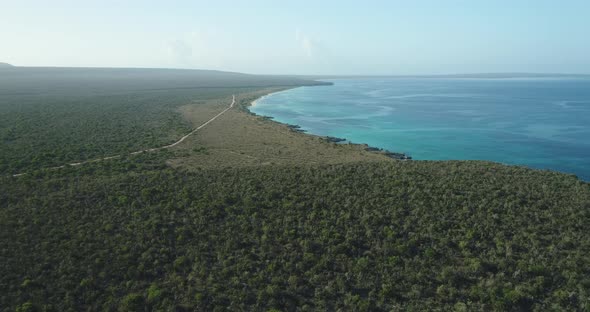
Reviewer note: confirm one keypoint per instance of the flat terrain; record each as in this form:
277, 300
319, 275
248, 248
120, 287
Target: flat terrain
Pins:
247, 214
54, 116
240, 139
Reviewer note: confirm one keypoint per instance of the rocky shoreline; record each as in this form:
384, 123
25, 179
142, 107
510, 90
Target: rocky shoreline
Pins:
328, 139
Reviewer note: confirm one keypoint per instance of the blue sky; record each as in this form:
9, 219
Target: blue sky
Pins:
301, 37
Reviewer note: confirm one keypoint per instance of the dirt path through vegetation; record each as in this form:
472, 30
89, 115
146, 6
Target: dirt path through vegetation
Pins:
233, 101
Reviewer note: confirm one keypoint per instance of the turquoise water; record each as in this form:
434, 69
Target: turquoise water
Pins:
540, 123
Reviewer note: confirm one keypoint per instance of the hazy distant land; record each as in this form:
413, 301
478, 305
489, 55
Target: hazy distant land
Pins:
458, 76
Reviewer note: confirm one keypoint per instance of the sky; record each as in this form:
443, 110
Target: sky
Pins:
301, 37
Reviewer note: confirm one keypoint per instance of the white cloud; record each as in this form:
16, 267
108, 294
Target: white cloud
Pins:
306, 44
201, 48
181, 51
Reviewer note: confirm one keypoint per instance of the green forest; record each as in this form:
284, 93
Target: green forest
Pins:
136, 234
360, 237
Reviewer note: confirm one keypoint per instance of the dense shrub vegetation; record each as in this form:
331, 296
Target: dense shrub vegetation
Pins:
381, 236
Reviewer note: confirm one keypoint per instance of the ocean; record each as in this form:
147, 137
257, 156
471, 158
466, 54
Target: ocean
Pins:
542, 123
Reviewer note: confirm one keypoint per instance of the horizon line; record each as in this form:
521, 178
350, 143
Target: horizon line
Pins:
491, 73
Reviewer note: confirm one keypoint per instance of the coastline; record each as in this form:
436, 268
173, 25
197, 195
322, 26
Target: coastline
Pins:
244, 139
327, 139
253, 103
374, 150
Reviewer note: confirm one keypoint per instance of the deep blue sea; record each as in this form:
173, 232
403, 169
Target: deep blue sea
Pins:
541, 122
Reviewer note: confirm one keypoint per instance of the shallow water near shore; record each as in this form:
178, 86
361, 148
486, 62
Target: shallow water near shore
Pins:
540, 123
